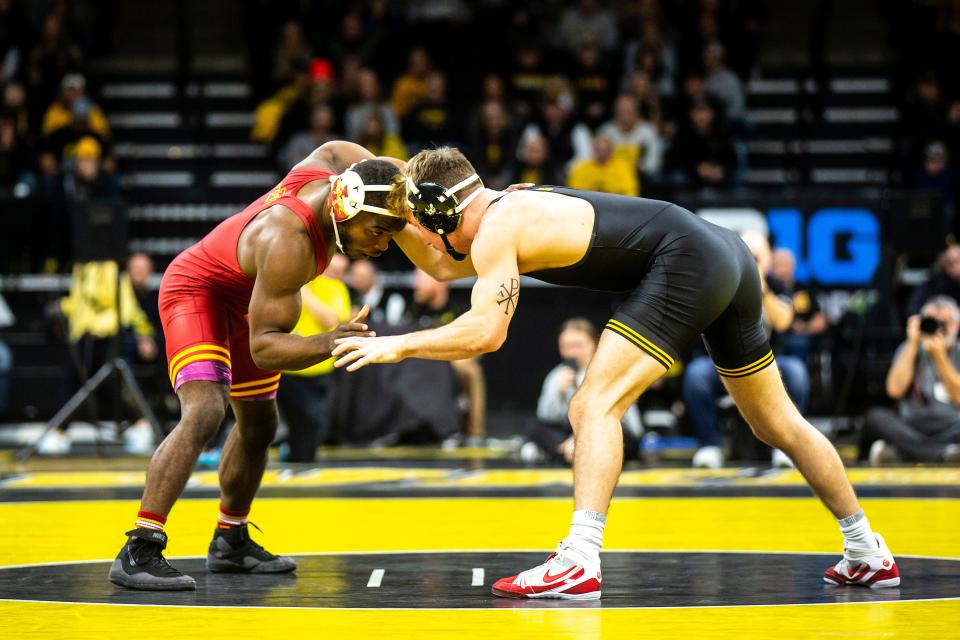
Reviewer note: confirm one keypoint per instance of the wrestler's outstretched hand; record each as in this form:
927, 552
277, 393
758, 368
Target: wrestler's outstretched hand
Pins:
356, 328
355, 353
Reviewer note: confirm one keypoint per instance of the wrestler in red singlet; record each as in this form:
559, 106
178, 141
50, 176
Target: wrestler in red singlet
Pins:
205, 294
228, 306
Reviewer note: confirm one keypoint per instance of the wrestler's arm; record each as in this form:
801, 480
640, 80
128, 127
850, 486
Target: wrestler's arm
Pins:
438, 265
480, 330
284, 263
338, 155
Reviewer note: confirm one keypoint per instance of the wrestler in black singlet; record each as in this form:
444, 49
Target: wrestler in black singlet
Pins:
685, 276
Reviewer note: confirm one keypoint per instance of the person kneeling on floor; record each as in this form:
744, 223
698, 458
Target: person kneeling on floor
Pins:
925, 378
550, 435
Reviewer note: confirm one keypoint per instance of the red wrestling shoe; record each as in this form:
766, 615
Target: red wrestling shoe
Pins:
566, 575
875, 570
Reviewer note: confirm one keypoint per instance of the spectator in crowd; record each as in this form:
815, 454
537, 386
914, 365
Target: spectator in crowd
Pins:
676, 111
143, 348
92, 311
594, 79
15, 102
433, 121
347, 86
724, 85
16, 156
565, 138
431, 307
634, 140
139, 271
410, 89
86, 179
51, 59
551, 436
604, 172
287, 111
535, 163
337, 268
529, 76
493, 145
702, 386
61, 112
809, 321
378, 141
369, 102
494, 89
319, 89
304, 396
354, 41
925, 378
652, 55
364, 280
936, 174
647, 97
702, 153
944, 281
586, 20
925, 119
292, 50
60, 145
302, 144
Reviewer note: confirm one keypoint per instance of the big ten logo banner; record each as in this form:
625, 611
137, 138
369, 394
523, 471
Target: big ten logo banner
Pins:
833, 246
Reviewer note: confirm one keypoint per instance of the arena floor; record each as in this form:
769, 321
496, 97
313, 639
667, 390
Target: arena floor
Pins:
404, 546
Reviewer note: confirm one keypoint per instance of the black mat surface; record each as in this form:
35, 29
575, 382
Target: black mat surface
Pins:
447, 580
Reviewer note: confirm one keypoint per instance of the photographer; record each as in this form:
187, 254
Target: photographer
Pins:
925, 378
550, 436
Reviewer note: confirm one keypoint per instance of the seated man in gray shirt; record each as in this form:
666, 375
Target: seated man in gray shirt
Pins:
925, 378
551, 436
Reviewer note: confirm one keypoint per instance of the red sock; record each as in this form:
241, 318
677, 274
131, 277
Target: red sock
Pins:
148, 520
229, 519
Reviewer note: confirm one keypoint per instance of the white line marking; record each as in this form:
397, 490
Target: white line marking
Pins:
376, 577
451, 551
477, 577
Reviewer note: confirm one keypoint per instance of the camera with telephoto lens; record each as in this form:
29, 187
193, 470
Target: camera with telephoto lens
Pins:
930, 325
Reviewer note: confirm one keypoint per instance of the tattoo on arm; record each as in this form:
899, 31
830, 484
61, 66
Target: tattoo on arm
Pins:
507, 296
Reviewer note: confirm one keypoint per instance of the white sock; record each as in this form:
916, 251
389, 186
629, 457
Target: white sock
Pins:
586, 533
857, 535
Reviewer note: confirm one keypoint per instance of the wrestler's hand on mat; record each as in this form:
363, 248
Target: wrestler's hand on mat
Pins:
356, 328
355, 353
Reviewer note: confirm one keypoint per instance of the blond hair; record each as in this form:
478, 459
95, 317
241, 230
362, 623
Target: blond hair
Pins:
445, 166
579, 324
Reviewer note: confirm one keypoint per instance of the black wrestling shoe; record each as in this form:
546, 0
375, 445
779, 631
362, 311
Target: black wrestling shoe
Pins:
141, 565
232, 551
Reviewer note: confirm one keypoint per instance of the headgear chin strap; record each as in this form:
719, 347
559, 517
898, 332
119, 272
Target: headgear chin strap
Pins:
347, 194
438, 210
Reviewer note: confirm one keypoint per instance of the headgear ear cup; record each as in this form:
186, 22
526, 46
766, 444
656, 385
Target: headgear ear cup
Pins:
438, 210
347, 195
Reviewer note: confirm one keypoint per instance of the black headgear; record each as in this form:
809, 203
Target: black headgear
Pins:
438, 210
